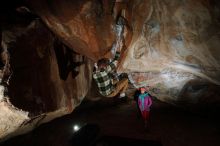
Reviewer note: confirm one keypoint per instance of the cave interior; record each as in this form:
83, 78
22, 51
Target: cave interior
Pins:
49, 50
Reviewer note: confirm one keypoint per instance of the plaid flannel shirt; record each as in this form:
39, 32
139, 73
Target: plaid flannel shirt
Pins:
104, 78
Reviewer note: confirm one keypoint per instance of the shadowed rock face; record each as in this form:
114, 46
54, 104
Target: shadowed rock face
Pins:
41, 78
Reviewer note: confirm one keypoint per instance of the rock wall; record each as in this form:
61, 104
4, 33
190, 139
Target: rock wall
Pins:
174, 49
41, 78
86, 26
169, 44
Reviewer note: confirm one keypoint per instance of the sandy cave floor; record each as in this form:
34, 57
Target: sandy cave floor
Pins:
169, 125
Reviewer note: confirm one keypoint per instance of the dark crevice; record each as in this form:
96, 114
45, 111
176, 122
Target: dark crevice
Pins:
67, 61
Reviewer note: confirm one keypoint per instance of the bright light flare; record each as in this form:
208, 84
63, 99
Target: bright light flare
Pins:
76, 128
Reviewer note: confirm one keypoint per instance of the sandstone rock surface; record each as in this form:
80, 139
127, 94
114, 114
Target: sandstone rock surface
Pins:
169, 45
86, 26
41, 78
174, 48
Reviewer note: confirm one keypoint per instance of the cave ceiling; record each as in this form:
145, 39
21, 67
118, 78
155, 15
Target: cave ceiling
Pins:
172, 46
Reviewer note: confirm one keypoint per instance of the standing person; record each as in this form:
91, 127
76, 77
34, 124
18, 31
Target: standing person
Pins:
103, 77
144, 104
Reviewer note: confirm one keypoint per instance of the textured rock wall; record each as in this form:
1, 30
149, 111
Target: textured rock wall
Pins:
85, 25
175, 46
171, 45
41, 78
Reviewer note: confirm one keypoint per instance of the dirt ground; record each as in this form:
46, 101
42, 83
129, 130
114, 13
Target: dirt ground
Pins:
169, 125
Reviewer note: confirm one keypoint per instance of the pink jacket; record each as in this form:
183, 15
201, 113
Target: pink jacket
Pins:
144, 102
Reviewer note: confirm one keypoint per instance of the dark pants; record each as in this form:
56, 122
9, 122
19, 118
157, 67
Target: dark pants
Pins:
145, 115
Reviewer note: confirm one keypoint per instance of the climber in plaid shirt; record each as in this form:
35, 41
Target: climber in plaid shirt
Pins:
103, 77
